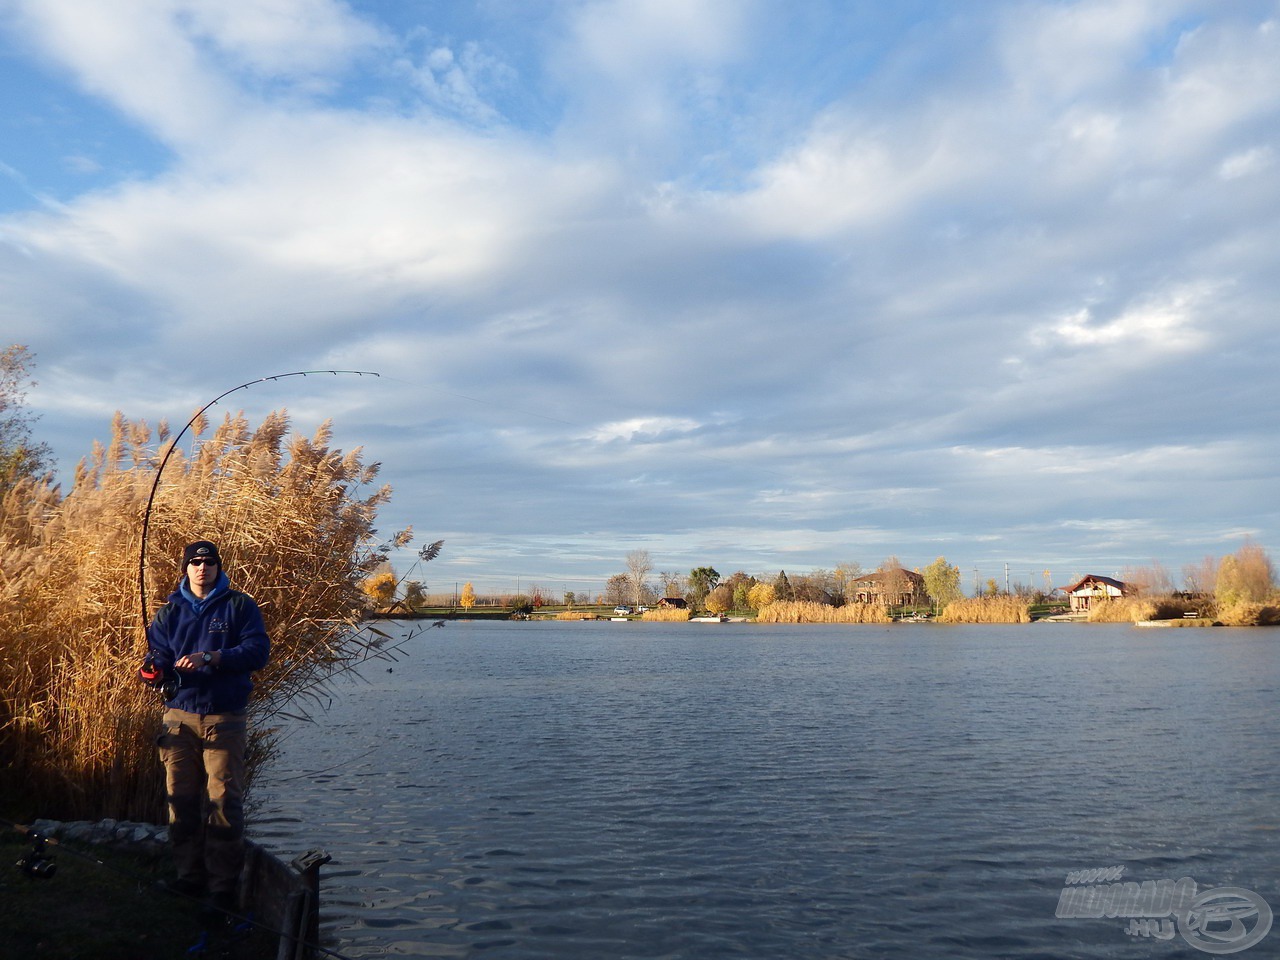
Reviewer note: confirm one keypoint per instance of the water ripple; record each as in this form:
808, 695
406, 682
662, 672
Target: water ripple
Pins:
579, 791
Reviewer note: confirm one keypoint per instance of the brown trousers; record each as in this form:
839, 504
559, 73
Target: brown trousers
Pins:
204, 765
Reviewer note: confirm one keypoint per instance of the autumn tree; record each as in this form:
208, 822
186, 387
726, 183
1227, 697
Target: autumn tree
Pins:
20, 457
719, 600
380, 588
761, 595
1246, 576
942, 582
468, 598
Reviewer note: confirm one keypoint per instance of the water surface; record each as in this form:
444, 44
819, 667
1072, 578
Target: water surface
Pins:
629, 790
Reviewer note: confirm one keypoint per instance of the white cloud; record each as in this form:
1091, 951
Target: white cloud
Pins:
1247, 163
1165, 324
642, 428
874, 334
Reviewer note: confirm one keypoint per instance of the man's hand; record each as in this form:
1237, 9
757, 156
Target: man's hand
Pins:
195, 661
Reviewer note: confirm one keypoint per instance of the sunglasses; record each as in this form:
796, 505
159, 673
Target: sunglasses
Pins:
198, 562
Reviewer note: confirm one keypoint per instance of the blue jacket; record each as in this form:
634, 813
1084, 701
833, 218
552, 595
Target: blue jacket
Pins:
225, 620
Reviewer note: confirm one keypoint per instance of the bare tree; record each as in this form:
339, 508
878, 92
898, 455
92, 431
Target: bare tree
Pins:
1201, 577
1151, 580
617, 589
638, 568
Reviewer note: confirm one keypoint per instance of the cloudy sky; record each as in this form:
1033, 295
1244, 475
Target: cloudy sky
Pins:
745, 283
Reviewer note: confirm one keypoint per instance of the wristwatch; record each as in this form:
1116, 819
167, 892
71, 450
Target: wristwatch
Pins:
208, 657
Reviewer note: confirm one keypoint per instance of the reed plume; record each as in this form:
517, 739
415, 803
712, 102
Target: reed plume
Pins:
294, 522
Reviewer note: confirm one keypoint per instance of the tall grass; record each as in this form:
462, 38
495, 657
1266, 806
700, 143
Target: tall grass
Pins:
1248, 613
1136, 609
800, 611
294, 523
666, 615
986, 610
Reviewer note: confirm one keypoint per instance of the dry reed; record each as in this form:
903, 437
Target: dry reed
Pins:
1137, 609
577, 615
1249, 614
666, 615
986, 610
800, 611
294, 521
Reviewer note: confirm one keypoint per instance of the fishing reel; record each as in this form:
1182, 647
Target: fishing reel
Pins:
153, 676
38, 862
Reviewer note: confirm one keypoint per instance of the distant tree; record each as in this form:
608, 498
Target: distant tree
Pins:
742, 595
1246, 576
1151, 580
845, 574
570, 598
380, 588
942, 582
894, 583
414, 596
782, 589
719, 600
702, 580
639, 566
1201, 577
20, 457
818, 586
617, 589
992, 589
468, 598
672, 584
761, 595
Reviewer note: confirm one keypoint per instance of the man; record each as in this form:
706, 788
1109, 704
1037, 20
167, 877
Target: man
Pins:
203, 645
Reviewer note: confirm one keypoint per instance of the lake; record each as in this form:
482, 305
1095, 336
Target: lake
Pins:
631, 790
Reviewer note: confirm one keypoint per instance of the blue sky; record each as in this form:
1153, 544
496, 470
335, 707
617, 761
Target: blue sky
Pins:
751, 284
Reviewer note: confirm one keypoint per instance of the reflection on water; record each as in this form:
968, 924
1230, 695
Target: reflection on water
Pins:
654, 790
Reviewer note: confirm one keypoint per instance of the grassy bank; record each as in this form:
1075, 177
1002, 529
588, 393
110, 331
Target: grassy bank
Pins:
105, 904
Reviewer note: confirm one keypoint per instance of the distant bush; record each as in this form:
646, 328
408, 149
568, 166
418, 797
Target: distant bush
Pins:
798, 611
669, 614
987, 610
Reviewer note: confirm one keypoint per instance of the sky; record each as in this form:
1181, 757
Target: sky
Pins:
750, 284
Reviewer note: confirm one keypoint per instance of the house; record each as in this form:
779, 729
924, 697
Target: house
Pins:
896, 587
1085, 591
674, 603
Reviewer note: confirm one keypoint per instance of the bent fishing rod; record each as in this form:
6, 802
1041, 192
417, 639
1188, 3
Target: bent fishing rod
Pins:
155, 483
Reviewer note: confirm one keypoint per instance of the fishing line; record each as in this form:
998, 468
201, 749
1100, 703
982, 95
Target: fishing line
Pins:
143, 882
155, 484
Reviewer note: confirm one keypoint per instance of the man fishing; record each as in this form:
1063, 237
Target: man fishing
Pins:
203, 645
